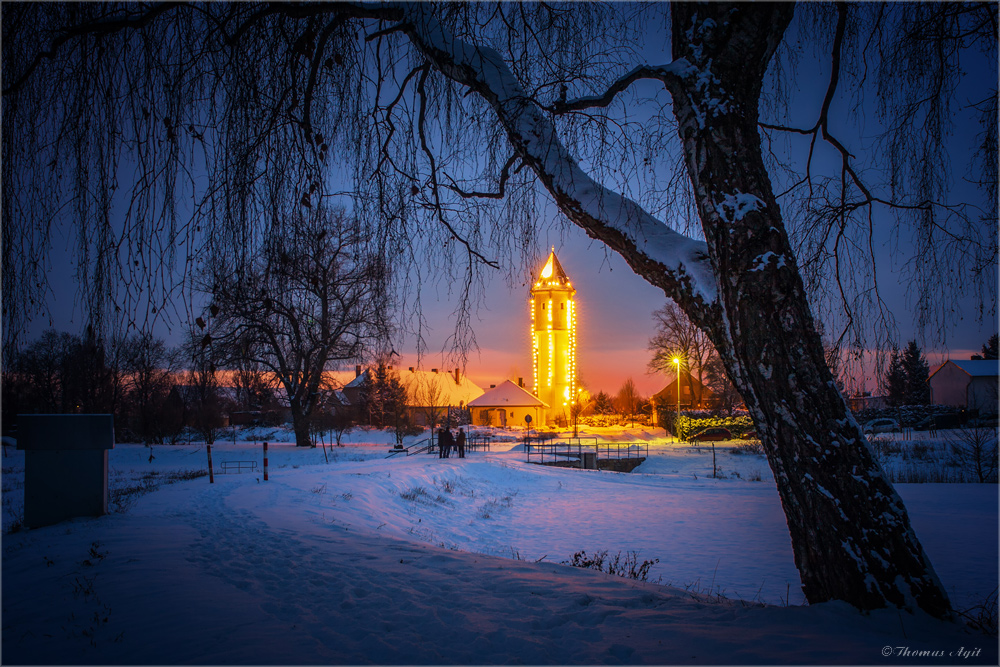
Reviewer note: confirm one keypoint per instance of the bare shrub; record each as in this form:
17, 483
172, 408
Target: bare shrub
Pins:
975, 451
750, 447
419, 494
627, 567
982, 617
883, 446
920, 451
494, 505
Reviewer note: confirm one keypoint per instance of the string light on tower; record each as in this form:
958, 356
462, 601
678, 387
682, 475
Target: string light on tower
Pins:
553, 339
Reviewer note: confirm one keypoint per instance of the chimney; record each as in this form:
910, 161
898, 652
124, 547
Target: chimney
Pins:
493, 386
458, 376
357, 370
411, 369
520, 382
434, 370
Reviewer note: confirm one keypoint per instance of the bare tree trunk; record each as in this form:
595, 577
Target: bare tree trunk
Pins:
300, 424
850, 533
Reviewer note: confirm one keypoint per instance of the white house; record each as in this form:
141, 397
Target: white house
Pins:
507, 405
966, 384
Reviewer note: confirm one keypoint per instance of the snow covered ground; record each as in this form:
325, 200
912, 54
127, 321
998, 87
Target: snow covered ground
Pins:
348, 557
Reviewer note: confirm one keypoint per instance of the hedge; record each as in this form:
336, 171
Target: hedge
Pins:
738, 426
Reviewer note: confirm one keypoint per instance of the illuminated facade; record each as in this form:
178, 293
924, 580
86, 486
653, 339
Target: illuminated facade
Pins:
553, 339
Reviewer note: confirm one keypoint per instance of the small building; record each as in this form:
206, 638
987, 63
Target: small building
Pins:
694, 395
507, 405
430, 395
865, 401
971, 385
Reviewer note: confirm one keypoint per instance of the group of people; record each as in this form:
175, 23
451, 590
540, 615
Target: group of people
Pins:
447, 442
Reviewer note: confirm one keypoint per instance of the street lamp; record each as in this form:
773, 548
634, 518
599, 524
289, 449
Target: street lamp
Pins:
677, 360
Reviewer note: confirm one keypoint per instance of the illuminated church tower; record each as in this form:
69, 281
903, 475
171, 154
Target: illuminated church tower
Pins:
553, 339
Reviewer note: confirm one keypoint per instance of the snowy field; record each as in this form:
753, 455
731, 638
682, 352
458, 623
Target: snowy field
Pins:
345, 556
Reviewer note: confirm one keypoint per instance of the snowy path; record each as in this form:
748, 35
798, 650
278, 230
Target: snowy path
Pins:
319, 566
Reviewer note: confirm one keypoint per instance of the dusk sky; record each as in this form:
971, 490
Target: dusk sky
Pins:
615, 318
615, 323
615, 306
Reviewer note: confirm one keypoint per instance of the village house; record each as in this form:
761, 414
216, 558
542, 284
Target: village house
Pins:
967, 384
508, 405
430, 395
693, 395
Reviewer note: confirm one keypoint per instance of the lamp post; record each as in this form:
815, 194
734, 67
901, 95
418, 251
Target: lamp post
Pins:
677, 361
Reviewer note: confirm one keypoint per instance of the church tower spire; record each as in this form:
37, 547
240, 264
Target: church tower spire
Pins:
553, 339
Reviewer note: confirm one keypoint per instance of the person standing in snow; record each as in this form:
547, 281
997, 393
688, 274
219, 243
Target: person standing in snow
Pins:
445, 441
460, 443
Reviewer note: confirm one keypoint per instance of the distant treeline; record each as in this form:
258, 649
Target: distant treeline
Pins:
153, 391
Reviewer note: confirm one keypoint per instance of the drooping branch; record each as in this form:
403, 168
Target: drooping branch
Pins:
675, 263
504, 177
822, 126
438, 208
94, 28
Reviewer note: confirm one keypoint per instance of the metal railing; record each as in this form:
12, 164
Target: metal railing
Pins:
635, 449
426, 445
572, 450
474, 442
229, 467
429, 445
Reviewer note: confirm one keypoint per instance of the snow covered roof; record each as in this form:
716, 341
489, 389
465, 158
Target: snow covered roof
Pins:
339, 378
507, 394
427, 388
975, 368
669, 392
432, 388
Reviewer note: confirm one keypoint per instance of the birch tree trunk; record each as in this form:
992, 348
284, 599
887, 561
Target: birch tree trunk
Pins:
850, 533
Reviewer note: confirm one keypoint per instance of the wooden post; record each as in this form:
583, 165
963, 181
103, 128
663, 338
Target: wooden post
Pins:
265, 461
211, 473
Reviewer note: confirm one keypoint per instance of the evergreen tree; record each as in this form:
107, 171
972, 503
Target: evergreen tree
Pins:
917, 371
383, 396
894, 379
603, 405
990, 350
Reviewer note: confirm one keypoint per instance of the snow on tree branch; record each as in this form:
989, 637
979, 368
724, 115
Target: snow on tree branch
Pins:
677, 264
